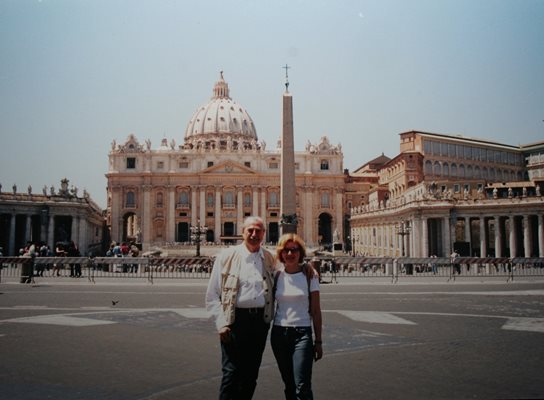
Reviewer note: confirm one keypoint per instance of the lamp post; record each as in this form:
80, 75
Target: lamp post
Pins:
196, 235
404, 229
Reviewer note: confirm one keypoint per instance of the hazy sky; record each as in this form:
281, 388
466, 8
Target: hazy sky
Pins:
76, 74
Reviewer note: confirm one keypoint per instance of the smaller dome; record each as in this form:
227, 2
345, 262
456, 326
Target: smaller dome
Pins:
221, 116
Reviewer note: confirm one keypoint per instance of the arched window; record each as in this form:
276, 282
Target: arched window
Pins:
454, 170
247, 199
445, 170
428, 167
461, 173
436, 169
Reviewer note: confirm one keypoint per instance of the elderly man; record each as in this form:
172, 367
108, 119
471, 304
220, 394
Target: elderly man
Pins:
240, 300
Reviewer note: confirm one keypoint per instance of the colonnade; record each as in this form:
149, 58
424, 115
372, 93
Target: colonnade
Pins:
513, 235
23, 227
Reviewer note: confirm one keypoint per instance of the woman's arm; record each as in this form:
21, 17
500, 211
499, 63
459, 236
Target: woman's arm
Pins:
317, 322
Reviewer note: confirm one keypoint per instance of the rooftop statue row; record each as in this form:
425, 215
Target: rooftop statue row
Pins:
64, 190
432, 192
218, 143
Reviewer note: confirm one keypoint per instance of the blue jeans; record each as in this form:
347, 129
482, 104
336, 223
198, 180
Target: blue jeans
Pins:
294, 351
241, 357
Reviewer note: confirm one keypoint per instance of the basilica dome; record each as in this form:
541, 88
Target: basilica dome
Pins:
221, 119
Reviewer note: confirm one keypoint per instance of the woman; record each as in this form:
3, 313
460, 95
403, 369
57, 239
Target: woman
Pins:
297, 307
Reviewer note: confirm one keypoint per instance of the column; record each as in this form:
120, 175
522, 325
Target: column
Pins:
308, 215
483, 237
171, 214
527, 242
395, 241
512, 237
498, 238
194, 207
415, 243
217, 214
255, 201
202, 202
28, 232
11, 250
116, 204
424, 238
240, 209
338, 208
263, 213
540, 235
83, 239
446, 244
386, 238
74, 234
51, 232
467, 233
146, 217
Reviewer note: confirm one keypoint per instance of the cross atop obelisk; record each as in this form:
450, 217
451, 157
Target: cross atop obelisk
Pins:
288, 187
286, 77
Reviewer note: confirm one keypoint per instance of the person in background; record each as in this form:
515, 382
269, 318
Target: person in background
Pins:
297, 309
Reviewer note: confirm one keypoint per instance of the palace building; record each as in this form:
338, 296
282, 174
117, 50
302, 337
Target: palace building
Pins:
443, 193
218, 175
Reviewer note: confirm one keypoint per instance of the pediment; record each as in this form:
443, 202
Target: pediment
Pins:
228, 167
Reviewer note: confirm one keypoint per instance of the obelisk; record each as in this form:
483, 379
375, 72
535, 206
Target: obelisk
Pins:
288, 204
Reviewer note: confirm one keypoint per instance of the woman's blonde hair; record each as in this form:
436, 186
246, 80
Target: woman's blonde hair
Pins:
287, 238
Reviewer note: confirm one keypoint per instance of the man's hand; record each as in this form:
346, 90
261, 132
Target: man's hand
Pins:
224, 334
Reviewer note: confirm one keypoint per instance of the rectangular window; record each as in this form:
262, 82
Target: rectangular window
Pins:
247, 164
183, 165
324, 165
160, 164
210, 164
456, 188
131, 162
273, 165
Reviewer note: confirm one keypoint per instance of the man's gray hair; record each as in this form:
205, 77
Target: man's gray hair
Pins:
253, 220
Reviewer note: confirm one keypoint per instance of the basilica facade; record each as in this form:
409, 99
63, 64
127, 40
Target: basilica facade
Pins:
219, 174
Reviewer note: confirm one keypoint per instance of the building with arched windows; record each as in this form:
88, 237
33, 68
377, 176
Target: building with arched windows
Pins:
219, 174
443, 193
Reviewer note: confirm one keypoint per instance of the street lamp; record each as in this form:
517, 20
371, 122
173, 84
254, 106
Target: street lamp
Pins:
403, 229
196, 235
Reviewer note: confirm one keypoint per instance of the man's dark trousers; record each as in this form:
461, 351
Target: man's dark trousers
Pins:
241, 357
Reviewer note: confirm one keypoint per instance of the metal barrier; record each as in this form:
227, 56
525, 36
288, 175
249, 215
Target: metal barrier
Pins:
330, 268
150, 268
431, 267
